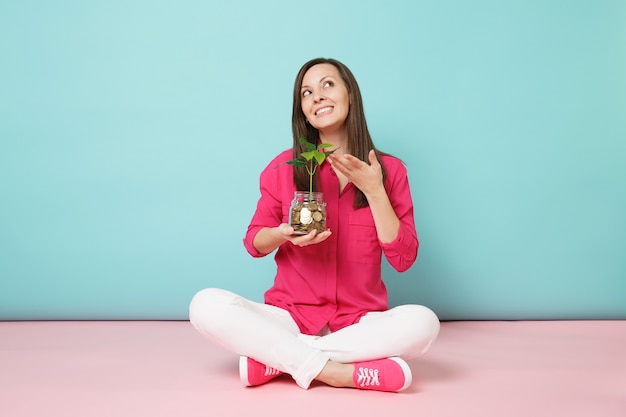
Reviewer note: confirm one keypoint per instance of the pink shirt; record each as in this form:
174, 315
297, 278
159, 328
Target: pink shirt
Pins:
335, 282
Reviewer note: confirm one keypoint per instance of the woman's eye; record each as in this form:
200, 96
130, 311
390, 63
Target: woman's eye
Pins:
306, 93
328, 84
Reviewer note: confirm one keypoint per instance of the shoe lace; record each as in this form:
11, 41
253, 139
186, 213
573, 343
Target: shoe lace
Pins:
269, 371
367, 377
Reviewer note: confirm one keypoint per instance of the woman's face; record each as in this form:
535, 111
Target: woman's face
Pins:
325, 98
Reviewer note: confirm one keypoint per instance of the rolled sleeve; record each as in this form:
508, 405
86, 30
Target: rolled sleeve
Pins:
268, 211
402, 251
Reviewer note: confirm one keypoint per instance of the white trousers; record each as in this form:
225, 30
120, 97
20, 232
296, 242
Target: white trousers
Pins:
269, 335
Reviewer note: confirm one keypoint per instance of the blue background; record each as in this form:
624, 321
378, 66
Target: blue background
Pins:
132, 134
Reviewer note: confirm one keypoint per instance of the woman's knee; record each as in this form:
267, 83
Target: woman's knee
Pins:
428, 317
208, 302
421, 321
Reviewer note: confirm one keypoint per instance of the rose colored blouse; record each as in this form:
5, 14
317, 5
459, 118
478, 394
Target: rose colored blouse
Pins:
337, 281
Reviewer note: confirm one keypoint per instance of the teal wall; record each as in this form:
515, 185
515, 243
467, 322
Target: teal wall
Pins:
132, 134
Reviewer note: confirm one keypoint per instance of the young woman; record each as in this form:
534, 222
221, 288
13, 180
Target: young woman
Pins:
327, 317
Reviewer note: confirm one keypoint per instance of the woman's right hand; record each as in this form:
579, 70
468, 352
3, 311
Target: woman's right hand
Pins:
312, 238
270, 238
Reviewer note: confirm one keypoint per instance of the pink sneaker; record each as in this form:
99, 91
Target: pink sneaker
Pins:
253, 373
392, 374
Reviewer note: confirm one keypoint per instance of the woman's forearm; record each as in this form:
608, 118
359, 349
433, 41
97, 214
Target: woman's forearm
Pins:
385, 218
268, 239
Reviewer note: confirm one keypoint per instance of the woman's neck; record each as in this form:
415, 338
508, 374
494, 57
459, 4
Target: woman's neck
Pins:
337, 138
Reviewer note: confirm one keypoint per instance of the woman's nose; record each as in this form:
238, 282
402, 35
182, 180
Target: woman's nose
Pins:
319, 97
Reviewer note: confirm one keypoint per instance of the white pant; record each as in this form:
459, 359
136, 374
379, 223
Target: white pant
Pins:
269, 335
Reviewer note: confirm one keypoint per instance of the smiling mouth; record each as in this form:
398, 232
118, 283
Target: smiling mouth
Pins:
323, 110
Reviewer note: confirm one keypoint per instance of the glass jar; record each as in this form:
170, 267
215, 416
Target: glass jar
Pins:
308, 212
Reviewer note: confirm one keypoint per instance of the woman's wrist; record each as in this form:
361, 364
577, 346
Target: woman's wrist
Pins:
268, 239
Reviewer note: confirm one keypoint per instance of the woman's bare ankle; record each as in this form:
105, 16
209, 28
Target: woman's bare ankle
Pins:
337, 374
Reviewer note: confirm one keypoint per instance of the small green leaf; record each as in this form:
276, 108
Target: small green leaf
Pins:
330, 152
324, 145
299, 162
319, 157
307, 145
309, 155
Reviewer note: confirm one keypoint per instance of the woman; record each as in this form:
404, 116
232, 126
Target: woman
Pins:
326, 317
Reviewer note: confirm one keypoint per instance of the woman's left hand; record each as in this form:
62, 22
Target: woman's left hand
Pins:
367, 177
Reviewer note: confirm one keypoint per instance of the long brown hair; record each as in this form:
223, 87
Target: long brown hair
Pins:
359, 139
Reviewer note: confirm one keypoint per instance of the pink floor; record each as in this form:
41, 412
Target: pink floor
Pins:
504, 369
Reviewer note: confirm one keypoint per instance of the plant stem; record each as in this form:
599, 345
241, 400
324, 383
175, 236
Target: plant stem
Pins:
311, 173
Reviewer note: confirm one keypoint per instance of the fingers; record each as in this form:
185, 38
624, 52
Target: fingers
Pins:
348, 163
372, 158
313, 237
365, 176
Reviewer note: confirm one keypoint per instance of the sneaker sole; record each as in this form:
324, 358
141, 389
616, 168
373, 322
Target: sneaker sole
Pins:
243, 370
